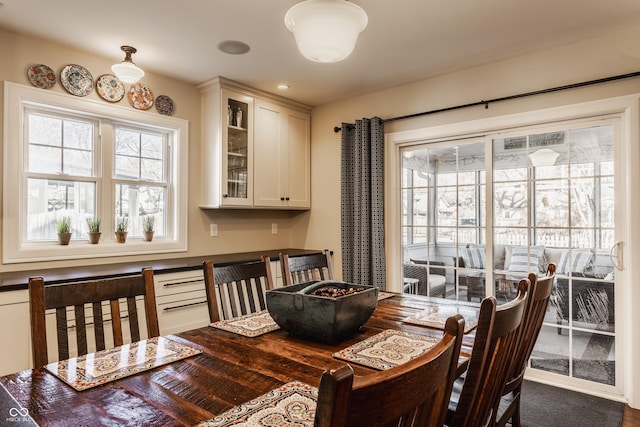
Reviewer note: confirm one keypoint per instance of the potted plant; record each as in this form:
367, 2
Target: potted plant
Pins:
122, 226
64, 230
93, 226
148, 223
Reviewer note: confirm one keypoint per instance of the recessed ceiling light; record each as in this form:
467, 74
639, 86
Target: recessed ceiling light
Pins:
283, 86
233, 47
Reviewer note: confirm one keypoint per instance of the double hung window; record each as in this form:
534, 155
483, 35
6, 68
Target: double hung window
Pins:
140, 184
77, 159
60, 172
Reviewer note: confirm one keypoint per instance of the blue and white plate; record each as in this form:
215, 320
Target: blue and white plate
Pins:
76, 80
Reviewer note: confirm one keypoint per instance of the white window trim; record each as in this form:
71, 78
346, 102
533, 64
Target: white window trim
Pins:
628, 109
15, 251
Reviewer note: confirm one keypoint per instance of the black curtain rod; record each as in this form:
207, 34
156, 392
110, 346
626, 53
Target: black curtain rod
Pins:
507, 98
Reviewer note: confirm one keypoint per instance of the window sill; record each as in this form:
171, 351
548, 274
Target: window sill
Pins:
81, 249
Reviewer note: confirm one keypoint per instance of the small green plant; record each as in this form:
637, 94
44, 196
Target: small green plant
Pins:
148, 223
64, 225
93, 224
122, 224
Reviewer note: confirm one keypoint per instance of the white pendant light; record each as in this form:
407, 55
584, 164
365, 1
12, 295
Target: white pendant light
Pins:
127, 71
543, 157
326, 30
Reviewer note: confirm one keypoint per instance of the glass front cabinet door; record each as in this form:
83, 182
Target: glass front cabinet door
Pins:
237, 149
227, 146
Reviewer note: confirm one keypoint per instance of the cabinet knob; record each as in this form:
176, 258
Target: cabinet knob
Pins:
286, 198
225, 195
282, 198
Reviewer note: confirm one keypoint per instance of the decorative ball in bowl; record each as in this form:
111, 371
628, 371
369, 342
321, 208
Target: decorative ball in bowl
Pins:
326, 311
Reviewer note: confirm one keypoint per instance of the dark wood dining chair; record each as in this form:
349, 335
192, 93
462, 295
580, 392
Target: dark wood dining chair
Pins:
476, 395
85, 301
415, 393
305, 268
237, 289
534, 312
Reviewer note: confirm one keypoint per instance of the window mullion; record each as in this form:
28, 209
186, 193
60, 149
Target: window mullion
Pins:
488, 225
107, 196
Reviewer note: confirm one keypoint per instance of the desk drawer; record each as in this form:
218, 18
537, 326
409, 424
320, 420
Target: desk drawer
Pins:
182, 301
177, 283
189, 311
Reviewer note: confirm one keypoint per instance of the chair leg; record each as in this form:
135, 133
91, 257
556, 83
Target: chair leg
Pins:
515, 418
515, 410
511, 413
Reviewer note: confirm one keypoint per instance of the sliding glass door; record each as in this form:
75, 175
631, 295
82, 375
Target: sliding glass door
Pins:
443, 210
480, 214
554, 203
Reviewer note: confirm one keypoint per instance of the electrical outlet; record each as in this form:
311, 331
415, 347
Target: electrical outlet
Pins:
213, 230
274, 228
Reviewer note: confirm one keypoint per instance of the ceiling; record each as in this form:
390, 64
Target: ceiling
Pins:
405, 40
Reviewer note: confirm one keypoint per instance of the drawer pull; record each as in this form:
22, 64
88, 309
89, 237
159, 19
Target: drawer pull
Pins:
175, 307
184, 282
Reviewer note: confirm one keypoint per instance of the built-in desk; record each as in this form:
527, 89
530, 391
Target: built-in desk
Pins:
179, 286
11, 281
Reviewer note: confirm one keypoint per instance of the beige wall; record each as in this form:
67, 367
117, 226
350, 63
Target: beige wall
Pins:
608, 55
239, 231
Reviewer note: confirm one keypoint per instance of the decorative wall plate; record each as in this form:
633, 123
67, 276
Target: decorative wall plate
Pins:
164, 105
110, 88
140, 96
76, 79
41, 76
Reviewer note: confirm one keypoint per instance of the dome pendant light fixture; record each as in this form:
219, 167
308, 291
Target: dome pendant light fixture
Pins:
326, 30
127, 71
543, 157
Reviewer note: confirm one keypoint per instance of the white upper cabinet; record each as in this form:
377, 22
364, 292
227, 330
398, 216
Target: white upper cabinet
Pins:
227, 144
255, 149
282, 157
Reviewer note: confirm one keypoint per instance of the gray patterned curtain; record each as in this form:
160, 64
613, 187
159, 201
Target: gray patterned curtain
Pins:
362, 173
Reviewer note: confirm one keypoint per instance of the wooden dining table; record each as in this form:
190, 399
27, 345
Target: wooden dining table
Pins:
232, 369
